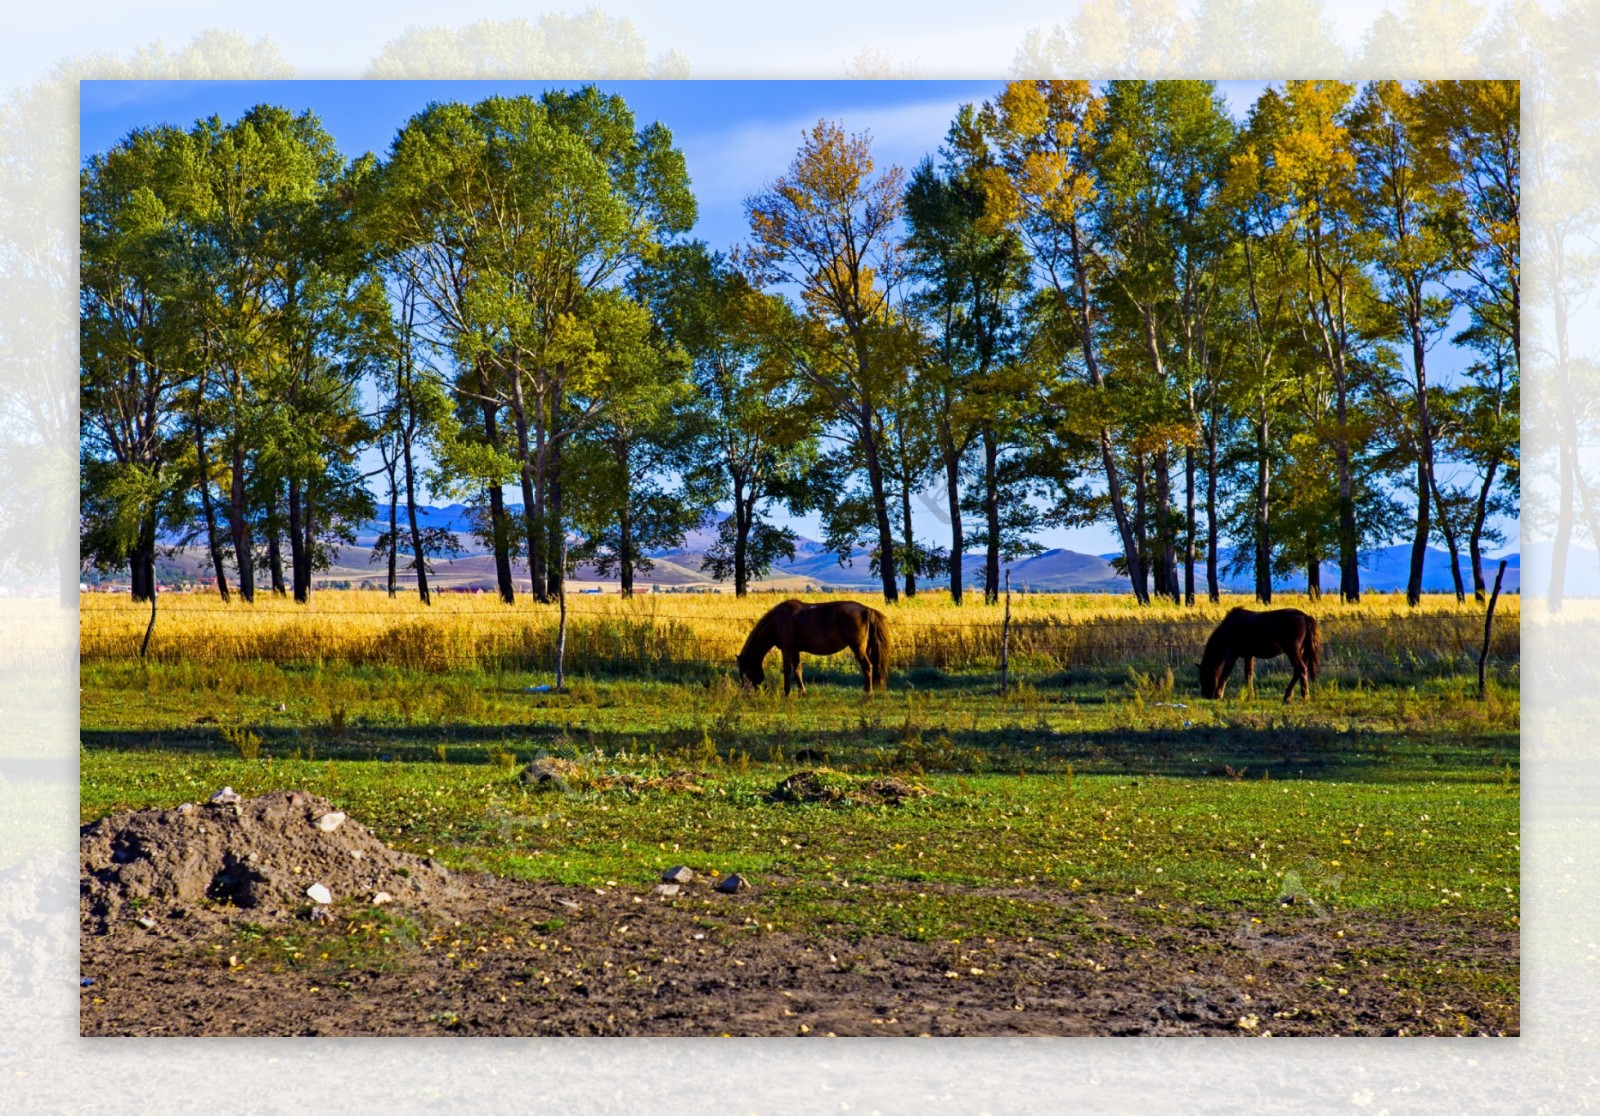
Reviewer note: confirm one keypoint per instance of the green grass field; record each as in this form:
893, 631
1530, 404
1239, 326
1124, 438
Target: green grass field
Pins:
1376, 801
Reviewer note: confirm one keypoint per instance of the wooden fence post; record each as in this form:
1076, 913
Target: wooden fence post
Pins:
1488, 627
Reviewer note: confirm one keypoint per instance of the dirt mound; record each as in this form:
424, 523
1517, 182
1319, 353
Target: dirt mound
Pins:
824, 785
259, 855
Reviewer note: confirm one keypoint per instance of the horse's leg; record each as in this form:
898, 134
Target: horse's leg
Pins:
1222, 677
791, 661
799, 675
1250, 675
1299, 675
865, 664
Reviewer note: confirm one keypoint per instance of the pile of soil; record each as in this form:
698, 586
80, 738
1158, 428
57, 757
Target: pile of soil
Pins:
259, 855
823, 785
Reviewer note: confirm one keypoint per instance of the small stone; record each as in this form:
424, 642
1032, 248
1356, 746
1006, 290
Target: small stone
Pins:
321, 915
666, 890
224, 797
381, 898
185, 808
678, 874
319, 892
355, 855
733, 882
147, 923
573, 904
330, 822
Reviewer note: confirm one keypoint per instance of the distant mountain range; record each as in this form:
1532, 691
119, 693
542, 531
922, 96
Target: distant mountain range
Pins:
816, 567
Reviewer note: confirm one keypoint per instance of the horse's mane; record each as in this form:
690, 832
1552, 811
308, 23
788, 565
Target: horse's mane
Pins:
763, 636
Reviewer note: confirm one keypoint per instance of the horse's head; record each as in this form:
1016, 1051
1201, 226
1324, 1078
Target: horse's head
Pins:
1210, 678
751, 673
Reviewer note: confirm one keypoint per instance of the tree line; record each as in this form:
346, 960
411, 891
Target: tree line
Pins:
1092, 304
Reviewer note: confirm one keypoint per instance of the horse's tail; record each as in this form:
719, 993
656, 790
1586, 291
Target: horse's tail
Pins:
1312, 649
878, 648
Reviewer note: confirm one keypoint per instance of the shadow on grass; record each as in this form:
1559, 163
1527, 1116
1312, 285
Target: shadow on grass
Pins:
1221, 752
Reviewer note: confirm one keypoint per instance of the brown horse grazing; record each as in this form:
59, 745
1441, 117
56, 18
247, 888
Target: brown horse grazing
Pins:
1261, 636
794, 627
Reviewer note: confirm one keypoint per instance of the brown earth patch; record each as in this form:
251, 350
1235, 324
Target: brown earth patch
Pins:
477, 955
823, 785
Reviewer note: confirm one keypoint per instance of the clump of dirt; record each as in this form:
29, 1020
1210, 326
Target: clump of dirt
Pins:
555, 773
259, 855
824, 785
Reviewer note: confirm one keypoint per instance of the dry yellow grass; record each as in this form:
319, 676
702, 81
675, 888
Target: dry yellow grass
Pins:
655, 631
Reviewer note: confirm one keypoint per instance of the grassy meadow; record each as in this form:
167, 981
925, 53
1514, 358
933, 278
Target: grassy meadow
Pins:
1098, 776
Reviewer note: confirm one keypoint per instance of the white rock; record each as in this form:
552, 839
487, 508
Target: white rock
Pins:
679, 874
381, 898
666, 890
147, 923
224, 797
330, 822
319, 892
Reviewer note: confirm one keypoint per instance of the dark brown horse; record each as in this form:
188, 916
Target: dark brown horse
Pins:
794, 627
1261, 636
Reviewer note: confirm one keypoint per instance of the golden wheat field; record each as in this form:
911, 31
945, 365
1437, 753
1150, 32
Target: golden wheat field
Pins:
661, 631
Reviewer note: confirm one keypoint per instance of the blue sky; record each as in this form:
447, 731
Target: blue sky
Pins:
736, 137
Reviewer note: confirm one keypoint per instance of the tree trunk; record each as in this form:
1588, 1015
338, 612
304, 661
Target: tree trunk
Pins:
1141, 523
555, 572
1213, 587
991, 516
209, 510
625, 549
1188, 525
394, 527
1263, 539
274, 545
1448, 530
499, 526
417, 557
743, 511
880, 507
142, 561
532, 488
1349, 560
239, 525
1108, 457
1165, 533
309, 543
1480, 513
910, 540
298, 559
1314, 576
952, 483
1425, 483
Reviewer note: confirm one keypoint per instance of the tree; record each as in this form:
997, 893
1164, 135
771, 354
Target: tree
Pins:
1159, 163
1042, 137
1312, 169
974, 274
646, 433
136, 351
1400, 195
514, 216
828, 226
754, 423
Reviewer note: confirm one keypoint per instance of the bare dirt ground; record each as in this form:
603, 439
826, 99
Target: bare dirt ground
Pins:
184, 932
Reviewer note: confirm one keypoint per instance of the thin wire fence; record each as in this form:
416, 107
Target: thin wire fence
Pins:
644, 638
